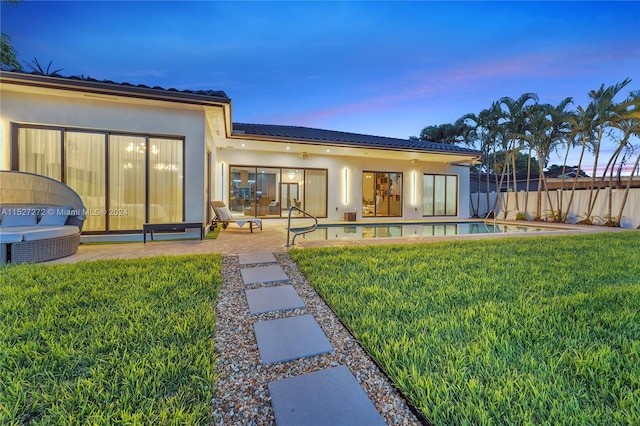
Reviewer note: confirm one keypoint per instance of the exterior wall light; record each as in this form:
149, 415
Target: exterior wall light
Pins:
346, 186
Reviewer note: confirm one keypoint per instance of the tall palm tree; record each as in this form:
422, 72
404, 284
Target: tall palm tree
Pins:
606, 116
558, 133
514, 125
582, 135
484, 125
628, 125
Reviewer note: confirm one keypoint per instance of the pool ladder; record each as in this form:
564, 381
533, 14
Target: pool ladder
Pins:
303, 230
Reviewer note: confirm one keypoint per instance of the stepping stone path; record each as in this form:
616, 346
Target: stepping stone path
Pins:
329, 396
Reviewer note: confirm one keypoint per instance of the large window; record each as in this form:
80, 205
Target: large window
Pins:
124, 180
440, 195
270, 192
381, 194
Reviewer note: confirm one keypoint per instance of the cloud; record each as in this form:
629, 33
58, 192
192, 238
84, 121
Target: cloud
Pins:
554, 71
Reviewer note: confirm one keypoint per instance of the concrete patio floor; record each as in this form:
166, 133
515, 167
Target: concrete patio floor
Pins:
231, 241
272, 239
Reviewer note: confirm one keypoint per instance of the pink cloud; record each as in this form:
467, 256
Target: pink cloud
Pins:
466, 82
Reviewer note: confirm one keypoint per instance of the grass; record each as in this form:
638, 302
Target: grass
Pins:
531, 331
108, 342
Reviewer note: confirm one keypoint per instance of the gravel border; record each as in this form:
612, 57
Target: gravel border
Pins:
242, 396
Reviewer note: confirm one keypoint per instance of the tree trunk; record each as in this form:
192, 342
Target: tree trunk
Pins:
539, 192
614, 159
564, 170
575, 179
526, 190
488, 191
626, 190
515, 179
499, 190
506, 198
593, 178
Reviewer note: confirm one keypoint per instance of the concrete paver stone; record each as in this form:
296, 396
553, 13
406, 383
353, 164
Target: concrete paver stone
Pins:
268, 299
254, 258
263, 274
325, 397
291, 338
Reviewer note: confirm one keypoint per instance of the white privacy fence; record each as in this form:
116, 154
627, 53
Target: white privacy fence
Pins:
630, 215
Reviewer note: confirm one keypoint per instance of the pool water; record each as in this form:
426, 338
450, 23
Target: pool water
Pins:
417, 229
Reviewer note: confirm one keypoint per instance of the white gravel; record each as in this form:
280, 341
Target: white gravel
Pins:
242, 397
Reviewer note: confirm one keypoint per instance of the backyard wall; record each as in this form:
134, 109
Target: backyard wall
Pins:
630, 215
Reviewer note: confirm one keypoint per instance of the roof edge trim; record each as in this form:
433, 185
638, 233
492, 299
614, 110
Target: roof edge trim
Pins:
112, 89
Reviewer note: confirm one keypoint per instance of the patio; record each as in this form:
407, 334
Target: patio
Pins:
272, 239
231, 241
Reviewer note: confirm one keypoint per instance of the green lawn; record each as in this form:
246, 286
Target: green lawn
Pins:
108, 342
527, 331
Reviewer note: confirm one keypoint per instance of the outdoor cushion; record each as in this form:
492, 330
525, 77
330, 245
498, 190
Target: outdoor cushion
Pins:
45, 232
224, 214
10, 235
18, 217
55, 216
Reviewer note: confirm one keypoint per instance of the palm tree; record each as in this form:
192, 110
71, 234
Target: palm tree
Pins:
629, 125
484, 134
8, 55
582, 134
514, 125
449, 134
606, 116
558, 132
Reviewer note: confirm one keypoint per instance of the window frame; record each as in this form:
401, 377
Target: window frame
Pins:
399, 193
280, 172
444, 192
15, 162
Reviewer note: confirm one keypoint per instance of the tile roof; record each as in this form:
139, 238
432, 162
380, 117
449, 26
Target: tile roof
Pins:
344, 138
124, 86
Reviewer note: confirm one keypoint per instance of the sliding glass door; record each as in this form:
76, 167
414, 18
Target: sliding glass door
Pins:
382, 194
124, 180
440, 195
270, 192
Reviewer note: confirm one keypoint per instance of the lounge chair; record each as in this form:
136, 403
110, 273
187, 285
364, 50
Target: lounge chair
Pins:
224, 216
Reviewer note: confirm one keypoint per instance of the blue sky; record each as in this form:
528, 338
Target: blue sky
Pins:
382, 68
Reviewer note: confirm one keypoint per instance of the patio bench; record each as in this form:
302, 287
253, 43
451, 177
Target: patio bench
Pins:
178, 226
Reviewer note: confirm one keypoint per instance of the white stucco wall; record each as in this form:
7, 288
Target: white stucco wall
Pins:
355, 166
117, 115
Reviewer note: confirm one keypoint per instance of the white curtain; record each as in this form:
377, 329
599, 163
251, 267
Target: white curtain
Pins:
166, 171
126, 182
315, 192
39, 152
452, 196
85, 173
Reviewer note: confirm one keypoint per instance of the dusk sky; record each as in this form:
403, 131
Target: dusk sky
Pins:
381, 68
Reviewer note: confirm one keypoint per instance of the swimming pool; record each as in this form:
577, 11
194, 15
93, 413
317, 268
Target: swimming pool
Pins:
356, 231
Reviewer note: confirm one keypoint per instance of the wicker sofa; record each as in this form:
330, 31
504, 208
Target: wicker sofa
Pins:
40, 218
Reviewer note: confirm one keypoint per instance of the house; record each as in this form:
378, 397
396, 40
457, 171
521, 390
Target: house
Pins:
139, 154
479, 180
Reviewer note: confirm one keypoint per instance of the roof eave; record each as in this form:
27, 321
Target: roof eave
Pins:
109, 89
325, 143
